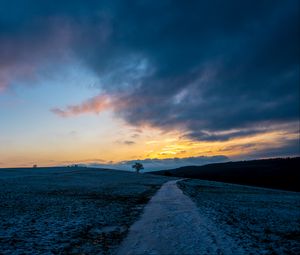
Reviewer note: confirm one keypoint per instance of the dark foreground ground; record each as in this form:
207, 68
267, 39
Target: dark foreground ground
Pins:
69, 210
89, 211
271, 173
258, 220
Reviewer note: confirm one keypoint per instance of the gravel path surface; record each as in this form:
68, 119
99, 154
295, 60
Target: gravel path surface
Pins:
171, 224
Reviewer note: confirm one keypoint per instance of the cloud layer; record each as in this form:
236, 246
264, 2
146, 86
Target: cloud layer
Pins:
216, 69
163, 164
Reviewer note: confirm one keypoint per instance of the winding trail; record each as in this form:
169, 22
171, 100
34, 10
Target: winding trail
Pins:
171, 224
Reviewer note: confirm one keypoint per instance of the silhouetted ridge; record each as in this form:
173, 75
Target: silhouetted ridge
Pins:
272, 173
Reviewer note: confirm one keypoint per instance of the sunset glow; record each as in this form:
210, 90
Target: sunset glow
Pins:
85, 83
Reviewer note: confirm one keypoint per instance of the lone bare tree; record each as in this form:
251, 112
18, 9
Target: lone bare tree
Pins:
138, 166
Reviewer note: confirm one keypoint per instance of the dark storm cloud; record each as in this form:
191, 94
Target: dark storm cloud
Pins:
222, 72
205, 66
207, 136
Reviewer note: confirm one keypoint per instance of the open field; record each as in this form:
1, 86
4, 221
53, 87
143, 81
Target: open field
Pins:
258, 220
90, 211
69, 210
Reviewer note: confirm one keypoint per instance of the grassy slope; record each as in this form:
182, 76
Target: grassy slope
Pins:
272, 173
70, 210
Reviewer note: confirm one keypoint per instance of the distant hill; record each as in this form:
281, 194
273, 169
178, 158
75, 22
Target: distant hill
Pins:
278, 173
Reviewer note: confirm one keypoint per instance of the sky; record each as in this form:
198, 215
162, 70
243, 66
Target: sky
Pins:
168, 83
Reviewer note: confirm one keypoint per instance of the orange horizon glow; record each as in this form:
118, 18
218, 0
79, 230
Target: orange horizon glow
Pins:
150, 143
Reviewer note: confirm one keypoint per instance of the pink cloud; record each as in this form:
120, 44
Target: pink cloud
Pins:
22, 56
95, 104
24, 71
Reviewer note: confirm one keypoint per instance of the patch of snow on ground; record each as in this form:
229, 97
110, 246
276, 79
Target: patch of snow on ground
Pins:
69, 210
261, 221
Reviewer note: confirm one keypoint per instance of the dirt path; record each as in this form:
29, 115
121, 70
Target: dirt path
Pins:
171, 224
